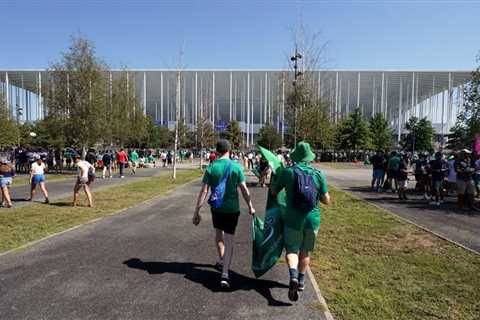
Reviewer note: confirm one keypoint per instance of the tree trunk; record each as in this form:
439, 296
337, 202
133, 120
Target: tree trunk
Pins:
177, 111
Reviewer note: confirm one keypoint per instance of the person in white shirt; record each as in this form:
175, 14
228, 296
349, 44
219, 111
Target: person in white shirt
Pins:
84, 168
37, 177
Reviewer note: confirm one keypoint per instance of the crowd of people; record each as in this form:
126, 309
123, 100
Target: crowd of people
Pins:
37, 162
436, 175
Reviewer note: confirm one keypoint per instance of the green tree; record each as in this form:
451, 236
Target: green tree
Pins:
9, 131
269, 137
458, 137
205, 136
76, 94
419, 136
354, 133
233, 134
184, 138
468, 121
315, 125
381, 133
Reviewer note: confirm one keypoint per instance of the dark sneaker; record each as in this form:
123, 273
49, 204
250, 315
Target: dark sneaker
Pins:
293, 289
218, 266
47, 201
301, 286
225, 283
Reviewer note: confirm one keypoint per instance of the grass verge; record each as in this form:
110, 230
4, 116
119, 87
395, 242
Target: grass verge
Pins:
30, 223
370, 265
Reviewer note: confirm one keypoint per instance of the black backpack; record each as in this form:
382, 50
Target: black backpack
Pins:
305, 194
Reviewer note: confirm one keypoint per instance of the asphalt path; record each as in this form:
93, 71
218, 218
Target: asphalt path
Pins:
149, 262
446, 220
58, 189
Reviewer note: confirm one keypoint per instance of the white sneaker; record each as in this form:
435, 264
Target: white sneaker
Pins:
432, 203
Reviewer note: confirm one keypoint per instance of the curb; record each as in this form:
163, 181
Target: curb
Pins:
121, 211
323, 304
402, 219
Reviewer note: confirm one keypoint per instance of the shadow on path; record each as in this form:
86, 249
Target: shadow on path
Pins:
210, 279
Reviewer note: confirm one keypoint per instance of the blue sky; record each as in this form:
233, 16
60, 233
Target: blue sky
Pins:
244, 34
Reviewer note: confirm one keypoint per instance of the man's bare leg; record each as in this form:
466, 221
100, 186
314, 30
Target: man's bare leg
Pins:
86, 188
292, 262
220, 244
304, 258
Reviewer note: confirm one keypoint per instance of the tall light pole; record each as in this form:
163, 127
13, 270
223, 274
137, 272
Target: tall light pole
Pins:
297, 74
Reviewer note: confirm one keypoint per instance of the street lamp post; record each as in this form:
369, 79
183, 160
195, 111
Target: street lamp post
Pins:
297, 74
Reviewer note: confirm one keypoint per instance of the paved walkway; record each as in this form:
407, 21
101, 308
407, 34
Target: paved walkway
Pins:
446, 220
58, 189
147, 263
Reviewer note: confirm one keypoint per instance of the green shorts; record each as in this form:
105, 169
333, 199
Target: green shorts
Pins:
299, 240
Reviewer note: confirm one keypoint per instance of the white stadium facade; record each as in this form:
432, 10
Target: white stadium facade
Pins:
255, 97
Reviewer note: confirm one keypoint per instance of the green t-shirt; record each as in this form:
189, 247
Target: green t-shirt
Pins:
393, 163
213, 176
134, 156
292, 217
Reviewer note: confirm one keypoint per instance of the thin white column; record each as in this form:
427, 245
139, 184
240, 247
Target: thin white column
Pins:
161, 98
145, 93
213, 100
235, 103
336, 96
382, 95
230, 114
348, 98
248, 109
386, 98
283, 108
265, 106
262, 120
40, 103
196, 98
373, 97
7, 87
252, 113
413, 92
358, 90
400, 111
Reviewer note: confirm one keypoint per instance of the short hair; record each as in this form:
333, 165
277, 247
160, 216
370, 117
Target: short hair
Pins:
223, 146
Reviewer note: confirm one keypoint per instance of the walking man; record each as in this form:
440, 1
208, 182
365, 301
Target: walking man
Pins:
83, 181
107, 160
228, 174
465, 185
37, 177
302, 213
378, 163
122, 161
134, 159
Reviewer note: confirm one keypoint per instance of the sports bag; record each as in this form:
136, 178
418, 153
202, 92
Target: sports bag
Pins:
218, 192
305, 195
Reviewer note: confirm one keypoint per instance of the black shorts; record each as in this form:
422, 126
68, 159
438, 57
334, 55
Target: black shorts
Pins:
227, 222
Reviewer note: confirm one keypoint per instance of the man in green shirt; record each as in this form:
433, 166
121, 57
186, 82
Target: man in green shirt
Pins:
225, 218
134, 160
300, 228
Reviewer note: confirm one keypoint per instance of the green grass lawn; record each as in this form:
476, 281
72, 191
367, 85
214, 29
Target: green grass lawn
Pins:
370, 265
23, 225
